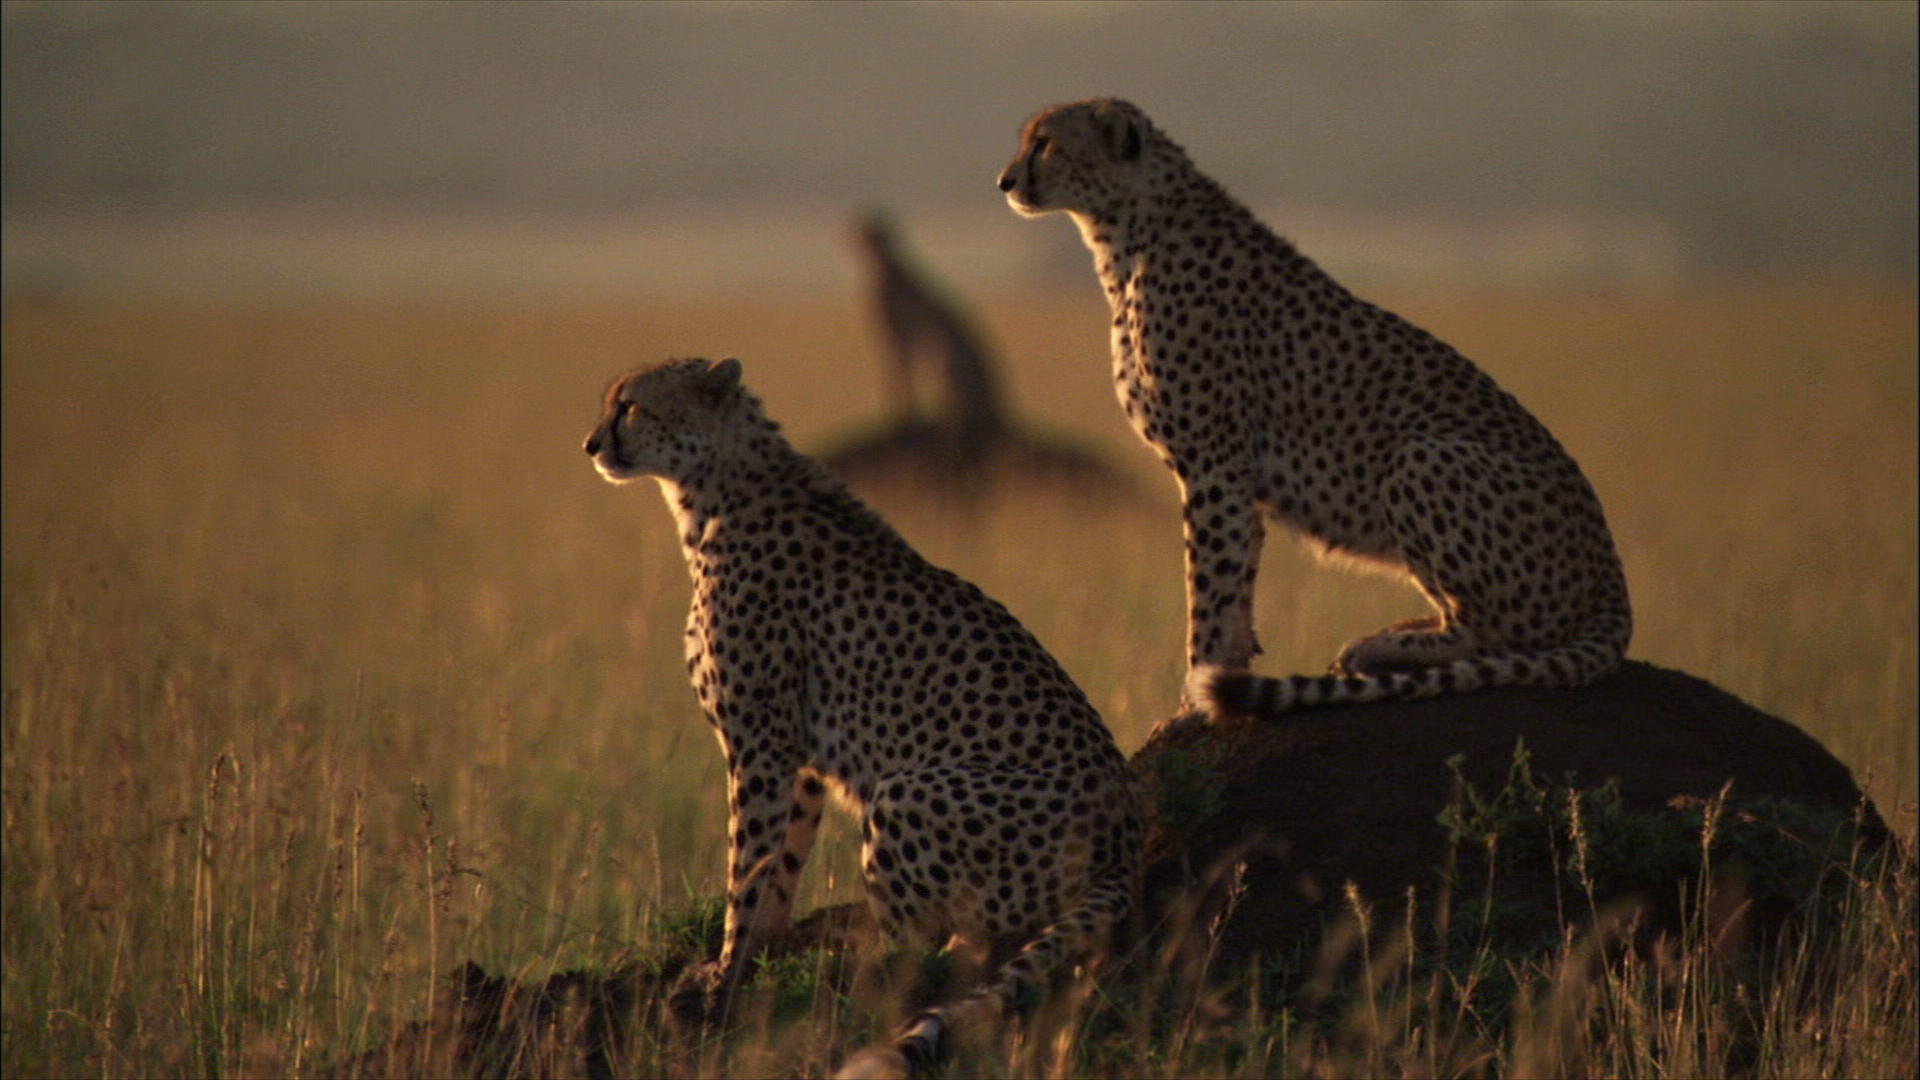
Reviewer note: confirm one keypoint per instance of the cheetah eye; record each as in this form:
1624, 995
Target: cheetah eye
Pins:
1041, 143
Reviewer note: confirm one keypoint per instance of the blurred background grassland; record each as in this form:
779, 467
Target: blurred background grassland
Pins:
275, 576
329, 662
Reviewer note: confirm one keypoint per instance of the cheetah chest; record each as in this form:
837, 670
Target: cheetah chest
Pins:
1164, 361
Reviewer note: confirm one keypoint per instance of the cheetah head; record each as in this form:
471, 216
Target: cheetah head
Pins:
667, 420
1085, 158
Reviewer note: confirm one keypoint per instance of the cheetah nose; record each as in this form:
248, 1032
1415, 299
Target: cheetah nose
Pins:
1006, 180
593, 445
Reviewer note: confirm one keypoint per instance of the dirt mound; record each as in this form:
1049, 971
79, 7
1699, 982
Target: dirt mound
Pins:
593, 1024
572, 1024
1399, 797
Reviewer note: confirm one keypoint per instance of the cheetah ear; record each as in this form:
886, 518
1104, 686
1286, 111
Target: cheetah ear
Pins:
721, 380
1120, 133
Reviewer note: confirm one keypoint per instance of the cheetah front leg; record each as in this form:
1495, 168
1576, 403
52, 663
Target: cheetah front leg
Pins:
775, 805
1224, 534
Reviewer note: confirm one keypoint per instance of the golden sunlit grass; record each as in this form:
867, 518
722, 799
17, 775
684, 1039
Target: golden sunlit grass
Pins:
330, 663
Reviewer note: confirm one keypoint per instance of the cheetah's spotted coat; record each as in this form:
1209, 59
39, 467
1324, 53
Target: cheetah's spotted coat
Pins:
994, 805
1266, 386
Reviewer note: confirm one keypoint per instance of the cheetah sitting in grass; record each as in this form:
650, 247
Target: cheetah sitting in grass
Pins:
1266, 386
994, 805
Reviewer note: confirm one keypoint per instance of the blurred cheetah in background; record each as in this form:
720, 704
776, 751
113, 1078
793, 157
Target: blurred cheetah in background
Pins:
966, 443
924, 330
1266, 386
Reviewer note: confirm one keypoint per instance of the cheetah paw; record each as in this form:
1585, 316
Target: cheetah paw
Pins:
1196, 697
1196, 702
697, 1001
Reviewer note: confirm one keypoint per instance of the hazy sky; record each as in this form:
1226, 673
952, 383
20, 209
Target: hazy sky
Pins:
1755, 134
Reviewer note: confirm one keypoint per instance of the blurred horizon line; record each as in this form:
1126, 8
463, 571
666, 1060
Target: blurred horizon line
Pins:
318, 249
589, 145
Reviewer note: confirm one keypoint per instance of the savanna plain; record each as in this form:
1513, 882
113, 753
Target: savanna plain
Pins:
331, 664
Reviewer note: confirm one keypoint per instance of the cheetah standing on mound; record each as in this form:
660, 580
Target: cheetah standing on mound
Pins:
994, 805
1265, 385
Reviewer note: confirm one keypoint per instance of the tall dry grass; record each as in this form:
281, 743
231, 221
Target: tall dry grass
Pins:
329, 663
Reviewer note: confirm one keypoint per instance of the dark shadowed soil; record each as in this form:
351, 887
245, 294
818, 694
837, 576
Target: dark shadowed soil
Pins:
1260, 828
1355, 794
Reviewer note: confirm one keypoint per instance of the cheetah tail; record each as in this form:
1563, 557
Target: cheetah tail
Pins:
1575, 664
1242, 694
928, 1038
923, 1042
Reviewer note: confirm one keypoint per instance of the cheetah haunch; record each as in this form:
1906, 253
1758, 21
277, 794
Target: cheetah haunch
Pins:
994, 806
1266, 386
